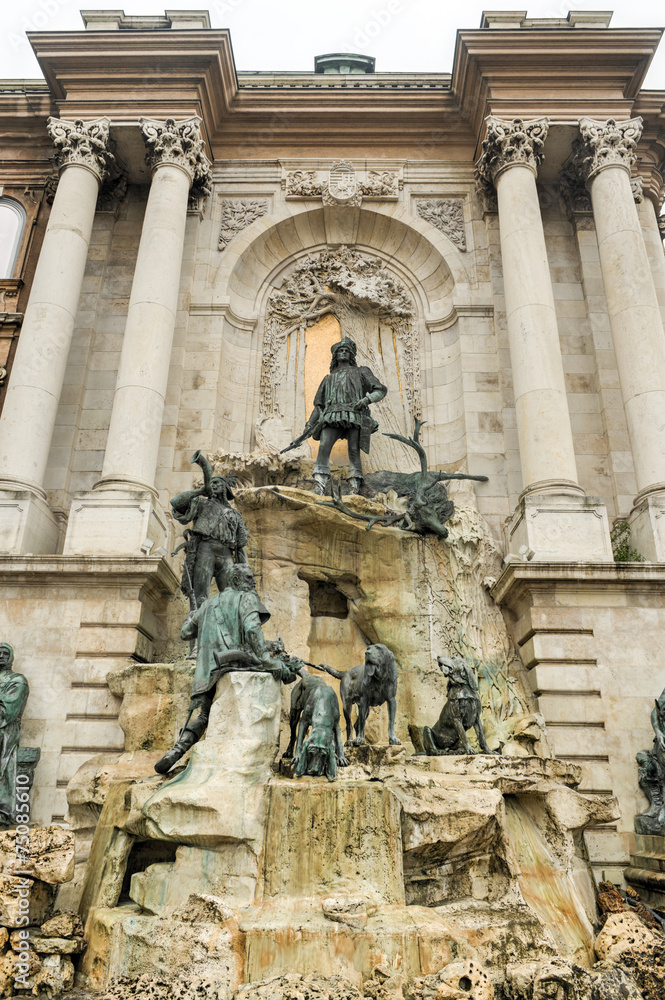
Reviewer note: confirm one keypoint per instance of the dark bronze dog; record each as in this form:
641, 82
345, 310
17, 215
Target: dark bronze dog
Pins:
314, 706
374, 682
460, 712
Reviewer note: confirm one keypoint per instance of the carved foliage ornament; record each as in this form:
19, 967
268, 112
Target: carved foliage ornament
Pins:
448, 217
237, 214
180, 143
337, 282
85, 143
607, 143
509, 143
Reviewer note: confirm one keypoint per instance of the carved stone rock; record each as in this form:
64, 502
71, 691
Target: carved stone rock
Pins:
179, 143
49, 855
447, 215
84, 143
237, 214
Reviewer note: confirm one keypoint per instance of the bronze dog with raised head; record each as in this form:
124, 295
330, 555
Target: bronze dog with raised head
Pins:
460, 713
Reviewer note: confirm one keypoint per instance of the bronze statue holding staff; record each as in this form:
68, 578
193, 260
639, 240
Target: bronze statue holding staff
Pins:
341, 410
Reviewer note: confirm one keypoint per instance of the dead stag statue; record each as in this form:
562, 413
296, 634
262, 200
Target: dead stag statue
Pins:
428, 504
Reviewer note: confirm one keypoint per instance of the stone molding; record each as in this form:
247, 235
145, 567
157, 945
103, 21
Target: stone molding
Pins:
447, 215
237, 214
82, 143
508, 144
178, 143
607, 144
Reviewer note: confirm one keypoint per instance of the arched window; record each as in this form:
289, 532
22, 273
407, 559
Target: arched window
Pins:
12, 221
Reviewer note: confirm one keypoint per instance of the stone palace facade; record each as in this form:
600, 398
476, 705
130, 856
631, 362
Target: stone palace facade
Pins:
153, 202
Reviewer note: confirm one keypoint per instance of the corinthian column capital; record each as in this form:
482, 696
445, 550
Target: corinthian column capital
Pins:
83, 143
607, 144
511, 143
178, 143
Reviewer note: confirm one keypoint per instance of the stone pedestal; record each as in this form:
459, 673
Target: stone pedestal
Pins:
115, 522
27, 524
556, 527
647, 528
646, 872
220, 798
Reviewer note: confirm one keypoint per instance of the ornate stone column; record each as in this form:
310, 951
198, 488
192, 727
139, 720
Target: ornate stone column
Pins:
28, 417
605, 157
553, 520
122, 510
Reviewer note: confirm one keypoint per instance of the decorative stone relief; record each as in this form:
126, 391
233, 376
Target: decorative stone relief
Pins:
340, 282
343, 185
302, 184
380, 184
180, 143
85, 143
608, 143
572, 188
237, 214
447, 215
509, 143
113, 191
637, 187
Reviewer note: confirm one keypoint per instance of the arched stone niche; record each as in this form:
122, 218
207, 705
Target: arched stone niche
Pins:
401, 282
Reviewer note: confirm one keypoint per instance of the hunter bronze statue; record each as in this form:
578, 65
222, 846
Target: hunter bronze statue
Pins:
217, 537
341, 410
229, 628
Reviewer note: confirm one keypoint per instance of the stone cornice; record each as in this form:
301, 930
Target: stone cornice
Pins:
562, 74
530, 73
607, 143
84, 144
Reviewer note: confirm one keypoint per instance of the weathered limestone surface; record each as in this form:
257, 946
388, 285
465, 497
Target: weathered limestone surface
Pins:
155, 699
50, 854
626, 940
415, 594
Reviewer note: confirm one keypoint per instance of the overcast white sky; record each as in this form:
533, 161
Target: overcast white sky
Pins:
403, 35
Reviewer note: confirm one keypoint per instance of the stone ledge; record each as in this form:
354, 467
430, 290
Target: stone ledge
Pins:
92, 571
517, 576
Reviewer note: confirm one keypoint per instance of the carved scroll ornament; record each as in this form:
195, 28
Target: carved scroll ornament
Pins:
607, 144
179, 143
84, 143
509, 143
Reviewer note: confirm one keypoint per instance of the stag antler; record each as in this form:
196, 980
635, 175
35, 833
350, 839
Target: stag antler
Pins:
413, 442
385, 520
